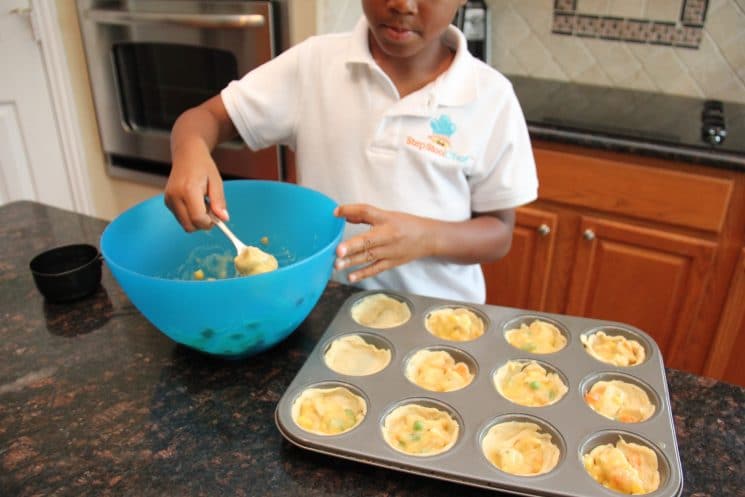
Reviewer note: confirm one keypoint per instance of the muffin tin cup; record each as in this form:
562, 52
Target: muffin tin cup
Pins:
376, 340
542, 362
588, 382
543, 426
478, 405
457, 354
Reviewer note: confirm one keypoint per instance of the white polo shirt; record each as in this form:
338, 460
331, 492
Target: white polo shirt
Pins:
459, 145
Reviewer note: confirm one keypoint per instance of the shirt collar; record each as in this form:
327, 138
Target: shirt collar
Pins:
459, 84
456, 86
359, 49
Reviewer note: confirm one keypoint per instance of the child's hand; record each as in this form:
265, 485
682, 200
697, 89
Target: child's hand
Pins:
394, 238
194, 174
193, 177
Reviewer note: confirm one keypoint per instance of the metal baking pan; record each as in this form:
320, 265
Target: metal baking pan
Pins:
574, 426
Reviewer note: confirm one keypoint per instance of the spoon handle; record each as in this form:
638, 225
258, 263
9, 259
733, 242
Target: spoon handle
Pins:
239, 245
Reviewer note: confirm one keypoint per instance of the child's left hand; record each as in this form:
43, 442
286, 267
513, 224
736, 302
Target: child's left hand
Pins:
394, 238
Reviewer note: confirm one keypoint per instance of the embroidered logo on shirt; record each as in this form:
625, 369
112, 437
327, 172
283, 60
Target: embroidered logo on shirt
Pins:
439, 141
443, 128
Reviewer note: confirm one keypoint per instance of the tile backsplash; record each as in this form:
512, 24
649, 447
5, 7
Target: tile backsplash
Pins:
685, 30
681, 47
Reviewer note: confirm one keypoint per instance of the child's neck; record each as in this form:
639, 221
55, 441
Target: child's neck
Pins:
412, 73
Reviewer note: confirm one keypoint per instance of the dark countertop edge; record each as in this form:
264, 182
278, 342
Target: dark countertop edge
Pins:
679, 153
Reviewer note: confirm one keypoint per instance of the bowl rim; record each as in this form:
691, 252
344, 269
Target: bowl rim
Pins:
38, 259
282, 184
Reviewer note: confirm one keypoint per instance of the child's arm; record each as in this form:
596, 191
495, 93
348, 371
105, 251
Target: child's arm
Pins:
194, 174
396, 238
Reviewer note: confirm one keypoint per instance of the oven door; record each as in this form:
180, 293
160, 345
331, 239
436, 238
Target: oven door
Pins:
151, 60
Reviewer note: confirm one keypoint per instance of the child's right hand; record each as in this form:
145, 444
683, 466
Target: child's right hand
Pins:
194, 174
193, 177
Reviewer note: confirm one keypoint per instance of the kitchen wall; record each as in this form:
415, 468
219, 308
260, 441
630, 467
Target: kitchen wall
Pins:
589, 41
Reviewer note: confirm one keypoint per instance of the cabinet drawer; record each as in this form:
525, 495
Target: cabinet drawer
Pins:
673, 197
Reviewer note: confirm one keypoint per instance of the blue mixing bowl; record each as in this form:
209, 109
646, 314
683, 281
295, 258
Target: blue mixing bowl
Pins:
157, 265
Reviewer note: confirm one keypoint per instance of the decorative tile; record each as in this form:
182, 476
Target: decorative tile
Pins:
563, 23
637, 30
565, 5
663, 33
688, 36
587, 26
611, 28
588, 23
694, 12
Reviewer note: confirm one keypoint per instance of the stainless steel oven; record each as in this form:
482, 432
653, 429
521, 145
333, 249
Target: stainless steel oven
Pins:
149, 60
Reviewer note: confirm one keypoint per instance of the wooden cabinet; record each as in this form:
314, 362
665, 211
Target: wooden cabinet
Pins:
638, 240
650, 278
725, 358
522, 279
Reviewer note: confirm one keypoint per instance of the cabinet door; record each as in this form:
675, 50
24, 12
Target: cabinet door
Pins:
520, 279
652, 279
725, 358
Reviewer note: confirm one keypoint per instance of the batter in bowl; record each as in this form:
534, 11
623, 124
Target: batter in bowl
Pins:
253, 260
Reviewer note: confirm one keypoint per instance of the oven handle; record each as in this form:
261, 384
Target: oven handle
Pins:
222, 21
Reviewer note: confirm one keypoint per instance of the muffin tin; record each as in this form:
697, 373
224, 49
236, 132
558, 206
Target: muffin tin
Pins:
574, 427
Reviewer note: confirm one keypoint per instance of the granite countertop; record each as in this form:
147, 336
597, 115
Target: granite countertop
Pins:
95, 401
629, 121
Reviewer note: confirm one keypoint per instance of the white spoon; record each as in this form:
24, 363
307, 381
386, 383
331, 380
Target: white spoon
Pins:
250, 259
239, 245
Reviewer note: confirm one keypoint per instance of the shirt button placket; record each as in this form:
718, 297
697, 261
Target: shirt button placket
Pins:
431, 103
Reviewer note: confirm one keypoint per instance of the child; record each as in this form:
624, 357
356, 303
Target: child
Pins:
424, 147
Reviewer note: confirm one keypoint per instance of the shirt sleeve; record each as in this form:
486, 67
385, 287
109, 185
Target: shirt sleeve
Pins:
263, 104
508, 176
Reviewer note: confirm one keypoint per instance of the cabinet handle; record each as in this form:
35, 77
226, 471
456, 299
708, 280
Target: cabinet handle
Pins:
544, 230
588, 235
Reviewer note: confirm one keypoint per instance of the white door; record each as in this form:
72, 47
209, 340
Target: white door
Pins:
32, 163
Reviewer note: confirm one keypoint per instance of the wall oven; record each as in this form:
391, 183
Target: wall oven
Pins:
149, 60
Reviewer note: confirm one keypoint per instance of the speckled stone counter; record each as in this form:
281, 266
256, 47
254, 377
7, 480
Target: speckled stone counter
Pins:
95, 401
